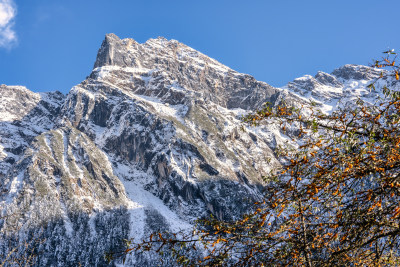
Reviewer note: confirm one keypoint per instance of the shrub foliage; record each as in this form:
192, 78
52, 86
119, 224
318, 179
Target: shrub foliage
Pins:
334, 201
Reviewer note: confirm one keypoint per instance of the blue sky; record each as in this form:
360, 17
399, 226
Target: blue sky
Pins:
51, 45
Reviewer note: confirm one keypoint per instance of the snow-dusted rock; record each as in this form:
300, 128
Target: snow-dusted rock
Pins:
343, 86
152, 139
23, 116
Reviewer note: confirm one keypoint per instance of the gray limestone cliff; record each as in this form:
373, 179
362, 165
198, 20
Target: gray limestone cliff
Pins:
151, 140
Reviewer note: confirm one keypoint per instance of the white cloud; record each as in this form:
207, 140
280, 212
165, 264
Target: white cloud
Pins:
8, 12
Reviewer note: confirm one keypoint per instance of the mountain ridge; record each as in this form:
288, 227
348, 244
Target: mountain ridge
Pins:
152, 139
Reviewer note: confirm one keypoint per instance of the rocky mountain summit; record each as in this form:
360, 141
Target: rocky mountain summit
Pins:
151, 140
343, 86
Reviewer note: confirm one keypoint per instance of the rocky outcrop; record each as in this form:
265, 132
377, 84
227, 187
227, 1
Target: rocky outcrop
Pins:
356, 72
151, 140
23, 116
343, 86
165, 68
63, 199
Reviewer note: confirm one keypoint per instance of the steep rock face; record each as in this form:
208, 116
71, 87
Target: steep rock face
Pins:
151, 140
63, 195
309, 86
16, 102
181, 147
23, 116
155, 106
342, 87
168, 67
356, 72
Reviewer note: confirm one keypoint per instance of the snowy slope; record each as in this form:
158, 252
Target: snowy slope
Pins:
151, 140
23, 116
344, 85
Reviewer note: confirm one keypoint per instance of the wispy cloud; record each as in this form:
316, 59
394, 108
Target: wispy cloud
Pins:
8, 11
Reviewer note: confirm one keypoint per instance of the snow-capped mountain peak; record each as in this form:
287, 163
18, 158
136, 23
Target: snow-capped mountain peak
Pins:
151, 140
